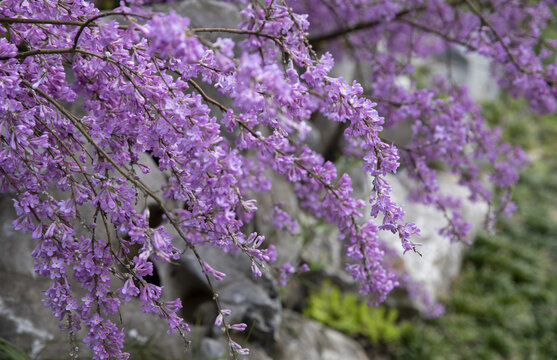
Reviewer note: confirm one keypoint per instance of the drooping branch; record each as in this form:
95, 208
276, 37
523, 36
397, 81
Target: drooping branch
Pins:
497, 36
365, 25
175, 224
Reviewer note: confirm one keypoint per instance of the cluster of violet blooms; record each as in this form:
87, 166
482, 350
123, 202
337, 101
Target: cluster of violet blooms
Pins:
141, 77
386, 38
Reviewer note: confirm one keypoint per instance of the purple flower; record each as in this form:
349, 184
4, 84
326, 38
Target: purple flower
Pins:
207, 269
7, 49
129, 290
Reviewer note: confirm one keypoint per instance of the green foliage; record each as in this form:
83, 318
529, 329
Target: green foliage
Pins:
504, 305
346, 313
9, 351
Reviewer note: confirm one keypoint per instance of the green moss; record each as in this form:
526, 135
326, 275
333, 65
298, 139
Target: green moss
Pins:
346, 313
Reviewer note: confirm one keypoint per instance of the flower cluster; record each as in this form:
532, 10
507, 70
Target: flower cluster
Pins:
390, 37
79, 182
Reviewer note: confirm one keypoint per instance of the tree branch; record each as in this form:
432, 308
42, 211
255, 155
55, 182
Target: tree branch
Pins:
74, 120
497, 36
359, 26
234, 31
5, 20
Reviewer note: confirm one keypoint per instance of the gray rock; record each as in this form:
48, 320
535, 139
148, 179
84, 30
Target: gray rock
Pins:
24, 320
305, 339
322, 245
253, 301
441, 260
15, 248
146, 333
212, 348
288, 245
469, 69
206, 13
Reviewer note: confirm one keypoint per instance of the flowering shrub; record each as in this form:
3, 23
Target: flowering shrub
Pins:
141, 76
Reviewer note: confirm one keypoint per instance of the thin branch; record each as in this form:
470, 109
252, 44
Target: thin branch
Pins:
233, 31
497, 36
110, 13
437, 32
359, 26
5, 20
40, 52
369, 24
